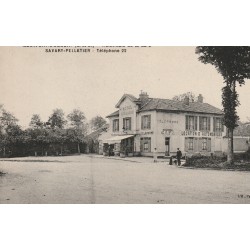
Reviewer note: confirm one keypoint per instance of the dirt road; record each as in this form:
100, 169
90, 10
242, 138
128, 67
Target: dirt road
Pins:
89, 180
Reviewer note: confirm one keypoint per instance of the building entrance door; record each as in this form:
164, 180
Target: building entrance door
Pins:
167, 144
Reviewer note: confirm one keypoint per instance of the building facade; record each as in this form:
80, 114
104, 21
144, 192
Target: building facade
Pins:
144, 125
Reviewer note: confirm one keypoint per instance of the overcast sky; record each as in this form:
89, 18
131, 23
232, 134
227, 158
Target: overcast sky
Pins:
35, 82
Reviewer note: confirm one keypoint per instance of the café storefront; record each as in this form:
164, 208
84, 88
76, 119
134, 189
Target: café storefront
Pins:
144, 126
119, 145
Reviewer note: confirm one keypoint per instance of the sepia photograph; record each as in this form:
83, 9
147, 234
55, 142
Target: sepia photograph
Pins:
124, 125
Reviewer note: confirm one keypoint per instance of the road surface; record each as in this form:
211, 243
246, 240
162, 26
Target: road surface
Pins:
86, 179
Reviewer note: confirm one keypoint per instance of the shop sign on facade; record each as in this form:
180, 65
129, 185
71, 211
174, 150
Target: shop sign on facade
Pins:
200, 133
167, 132
146, 132
167, 121
128, 110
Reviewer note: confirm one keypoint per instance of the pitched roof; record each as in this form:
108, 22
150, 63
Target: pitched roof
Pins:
131, 97
116, 113
95, 134
179, 106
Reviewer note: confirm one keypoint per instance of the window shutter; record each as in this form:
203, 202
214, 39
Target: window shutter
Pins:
149, 144
149, 122
209, 144
214, 124
196, 145
208, 121
195, 123
200, 123
187, 122
141, 145
199, 144
186, 144
142, 122
222, 126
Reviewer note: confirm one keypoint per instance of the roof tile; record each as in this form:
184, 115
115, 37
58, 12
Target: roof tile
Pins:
171, 105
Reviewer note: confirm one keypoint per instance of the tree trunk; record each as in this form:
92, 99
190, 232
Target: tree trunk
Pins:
78, 148
230, 153
4, 151
61, 150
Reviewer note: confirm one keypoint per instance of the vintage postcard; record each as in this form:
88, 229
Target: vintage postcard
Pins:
124, 125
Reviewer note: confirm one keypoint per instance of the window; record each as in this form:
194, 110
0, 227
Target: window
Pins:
127, 123
146, 122
190, 143
146, 144
218, 126
204, 144
204, 123
116, 125
191, 122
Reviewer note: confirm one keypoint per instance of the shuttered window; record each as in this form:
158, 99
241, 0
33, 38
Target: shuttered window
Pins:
146, 122
127, 123
191, 122
204, 123
218, 125
190, 144
205, 144
145, 144
116, 125
197, 144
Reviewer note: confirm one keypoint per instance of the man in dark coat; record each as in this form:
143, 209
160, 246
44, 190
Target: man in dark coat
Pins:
178, 156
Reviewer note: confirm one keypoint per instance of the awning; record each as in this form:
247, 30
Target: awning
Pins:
117, 139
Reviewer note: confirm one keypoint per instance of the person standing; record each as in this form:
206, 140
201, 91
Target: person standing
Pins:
178, 156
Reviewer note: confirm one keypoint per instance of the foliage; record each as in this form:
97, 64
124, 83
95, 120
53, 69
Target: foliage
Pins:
97, 122
56, 120
7, 119
230, 102
77, 118
36, 121
233, 63
191, 96
77, 132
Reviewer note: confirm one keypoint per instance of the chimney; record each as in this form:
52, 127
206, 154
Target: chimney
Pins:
186, 100
143, 96
200, 98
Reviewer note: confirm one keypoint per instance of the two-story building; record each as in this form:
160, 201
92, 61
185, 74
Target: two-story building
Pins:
143, 125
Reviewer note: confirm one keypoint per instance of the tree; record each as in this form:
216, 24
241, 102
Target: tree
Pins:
56, 120
191, 96
7, 121
78, 130
76, 118
36, 122
97, 122
233, 63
